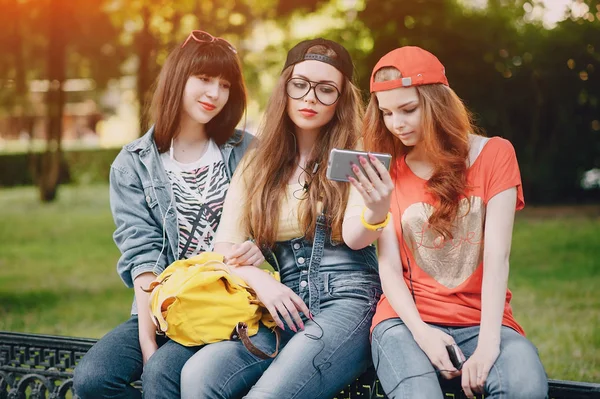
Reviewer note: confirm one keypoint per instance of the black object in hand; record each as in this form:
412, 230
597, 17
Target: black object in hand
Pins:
455, 356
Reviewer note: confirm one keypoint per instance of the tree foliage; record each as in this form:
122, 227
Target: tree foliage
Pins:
537, 87
52, 40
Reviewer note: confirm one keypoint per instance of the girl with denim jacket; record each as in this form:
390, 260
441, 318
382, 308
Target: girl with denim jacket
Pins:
166, 192
280, 197
444, 261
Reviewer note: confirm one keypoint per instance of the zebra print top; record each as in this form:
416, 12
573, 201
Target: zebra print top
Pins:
199, 190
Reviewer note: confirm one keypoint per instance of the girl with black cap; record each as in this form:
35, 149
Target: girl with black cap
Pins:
281, 198
444, 258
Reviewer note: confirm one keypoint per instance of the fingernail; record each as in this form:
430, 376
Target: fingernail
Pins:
372, 157
310, 316
355, 168
293, 329
362, 160
302, 326
281, 326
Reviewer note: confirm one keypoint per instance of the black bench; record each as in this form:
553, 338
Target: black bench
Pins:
40, 366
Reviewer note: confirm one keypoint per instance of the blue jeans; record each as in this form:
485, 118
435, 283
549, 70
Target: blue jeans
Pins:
517, 373
341, 288
115, 361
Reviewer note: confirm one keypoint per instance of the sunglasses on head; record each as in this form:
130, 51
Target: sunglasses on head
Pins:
204, 37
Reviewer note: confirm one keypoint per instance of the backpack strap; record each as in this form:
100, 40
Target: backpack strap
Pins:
159, 321
241, 332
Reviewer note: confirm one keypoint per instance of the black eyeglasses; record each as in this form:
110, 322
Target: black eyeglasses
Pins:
326, 93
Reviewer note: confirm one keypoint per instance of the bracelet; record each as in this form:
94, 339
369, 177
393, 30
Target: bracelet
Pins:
374, 227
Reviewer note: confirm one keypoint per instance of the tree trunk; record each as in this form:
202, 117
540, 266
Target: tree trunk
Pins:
144, 80
49, 165
19, 106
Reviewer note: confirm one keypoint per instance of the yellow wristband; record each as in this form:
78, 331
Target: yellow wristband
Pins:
374, 227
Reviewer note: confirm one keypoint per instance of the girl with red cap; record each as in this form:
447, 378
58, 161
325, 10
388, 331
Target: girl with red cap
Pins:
444, 260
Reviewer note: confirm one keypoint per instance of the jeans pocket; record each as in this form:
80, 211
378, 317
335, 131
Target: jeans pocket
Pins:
350, 285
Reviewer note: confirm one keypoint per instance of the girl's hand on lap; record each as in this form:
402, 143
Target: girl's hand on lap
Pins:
278, 298
245, 254
476, 369
433, 342
376, 187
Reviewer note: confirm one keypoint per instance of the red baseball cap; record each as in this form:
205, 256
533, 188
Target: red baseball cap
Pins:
417, 66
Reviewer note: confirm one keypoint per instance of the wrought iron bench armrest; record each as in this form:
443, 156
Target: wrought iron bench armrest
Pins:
45, 364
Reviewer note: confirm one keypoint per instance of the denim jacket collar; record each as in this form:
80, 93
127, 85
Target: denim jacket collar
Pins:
147, 141
145, 144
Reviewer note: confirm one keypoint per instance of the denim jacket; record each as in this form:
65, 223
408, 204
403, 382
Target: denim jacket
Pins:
143, 206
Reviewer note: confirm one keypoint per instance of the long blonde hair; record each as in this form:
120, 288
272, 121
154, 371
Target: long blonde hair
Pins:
446, 124
273, 163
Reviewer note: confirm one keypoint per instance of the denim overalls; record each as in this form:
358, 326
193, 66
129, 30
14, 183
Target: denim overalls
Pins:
341, 288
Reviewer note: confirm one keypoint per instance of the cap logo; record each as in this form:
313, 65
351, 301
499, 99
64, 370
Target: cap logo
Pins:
319, 57
407, 82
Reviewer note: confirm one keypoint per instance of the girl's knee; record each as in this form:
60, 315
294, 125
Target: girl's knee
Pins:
86, 380
391, 329
91, 380
190, 375
393, 338
519, 373
200, 378
519, 356
533, 385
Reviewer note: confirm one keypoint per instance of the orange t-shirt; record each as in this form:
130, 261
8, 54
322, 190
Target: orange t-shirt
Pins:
447, 275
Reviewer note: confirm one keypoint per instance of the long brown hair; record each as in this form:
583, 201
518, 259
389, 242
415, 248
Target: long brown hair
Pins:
274, 161
446, 124
211, 59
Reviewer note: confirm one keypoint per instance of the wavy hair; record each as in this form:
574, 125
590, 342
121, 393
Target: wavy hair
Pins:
445, 125
273, 162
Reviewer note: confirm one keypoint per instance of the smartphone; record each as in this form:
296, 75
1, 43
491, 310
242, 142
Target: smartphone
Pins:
339, 166
455, 357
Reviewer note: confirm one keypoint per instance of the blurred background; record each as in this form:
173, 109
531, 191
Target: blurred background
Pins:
76, 75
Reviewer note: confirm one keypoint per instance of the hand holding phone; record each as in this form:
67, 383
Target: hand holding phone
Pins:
455, 356
339, 165
368, 173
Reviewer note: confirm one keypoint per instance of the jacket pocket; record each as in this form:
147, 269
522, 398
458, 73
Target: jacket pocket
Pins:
150, 195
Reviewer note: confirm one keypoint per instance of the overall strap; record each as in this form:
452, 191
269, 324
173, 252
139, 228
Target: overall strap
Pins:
270, 258
314, 278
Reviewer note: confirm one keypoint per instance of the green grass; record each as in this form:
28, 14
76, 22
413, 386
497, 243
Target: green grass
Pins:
57, 263
57, 275
555, 277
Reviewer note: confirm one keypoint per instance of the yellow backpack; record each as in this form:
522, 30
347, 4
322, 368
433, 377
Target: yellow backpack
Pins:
197, 301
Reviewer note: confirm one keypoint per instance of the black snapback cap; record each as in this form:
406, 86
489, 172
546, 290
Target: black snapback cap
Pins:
342, 63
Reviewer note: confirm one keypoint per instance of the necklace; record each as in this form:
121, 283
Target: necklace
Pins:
182, 149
